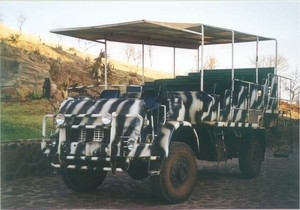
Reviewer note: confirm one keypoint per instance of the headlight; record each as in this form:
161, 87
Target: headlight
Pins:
106, 118
130, 144
53, 142
60, 119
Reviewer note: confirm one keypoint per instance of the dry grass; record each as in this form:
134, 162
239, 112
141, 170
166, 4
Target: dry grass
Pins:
151, 73
48, 48
294, 109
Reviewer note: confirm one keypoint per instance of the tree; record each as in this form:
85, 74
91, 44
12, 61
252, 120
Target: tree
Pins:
137, 57
21, 21
150, 53
133, 54
211, 62
86, 45
1, 17
129, 51
294, 85
269, 61
14, 38
98, 69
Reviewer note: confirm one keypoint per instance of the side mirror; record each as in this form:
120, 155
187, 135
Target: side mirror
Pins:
160, 88
47, 88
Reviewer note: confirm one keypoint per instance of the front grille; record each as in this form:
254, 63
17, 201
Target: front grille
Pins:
90, 135
82, 135
98, 135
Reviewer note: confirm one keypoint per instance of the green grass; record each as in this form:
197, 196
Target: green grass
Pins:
23, 120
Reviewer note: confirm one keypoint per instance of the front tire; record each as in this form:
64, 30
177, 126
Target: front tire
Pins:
82, 180
178, 174
250, 160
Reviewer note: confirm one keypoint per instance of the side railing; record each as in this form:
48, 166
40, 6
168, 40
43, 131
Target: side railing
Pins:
279, 92
250, 100
279, 104
248, 103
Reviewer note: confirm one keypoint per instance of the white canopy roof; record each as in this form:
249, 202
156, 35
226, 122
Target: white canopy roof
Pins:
179, 35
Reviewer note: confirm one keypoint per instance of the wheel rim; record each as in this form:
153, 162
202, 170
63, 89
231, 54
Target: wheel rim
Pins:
255, 158
179, 172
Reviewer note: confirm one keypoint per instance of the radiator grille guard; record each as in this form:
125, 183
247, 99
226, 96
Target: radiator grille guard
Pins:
97, 135
123, 133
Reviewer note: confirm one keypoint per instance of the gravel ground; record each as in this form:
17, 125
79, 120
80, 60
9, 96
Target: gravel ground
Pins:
277, 186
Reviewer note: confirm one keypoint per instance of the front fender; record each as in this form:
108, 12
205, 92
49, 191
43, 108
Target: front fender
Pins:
165, 134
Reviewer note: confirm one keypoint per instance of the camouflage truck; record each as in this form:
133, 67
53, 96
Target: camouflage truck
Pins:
160, 128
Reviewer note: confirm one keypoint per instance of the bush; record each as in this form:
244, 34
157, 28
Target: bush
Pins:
59, 47
6, 97
37, 93
21, 94
14, 38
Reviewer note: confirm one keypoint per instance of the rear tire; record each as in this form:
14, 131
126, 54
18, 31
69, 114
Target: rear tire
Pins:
250, 160
178, 174
83, 180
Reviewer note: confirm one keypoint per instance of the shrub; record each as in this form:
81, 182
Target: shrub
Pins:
59, 47
37, 52
72, 49
37, 93
6, 97
99, 64
14, 38
22, 94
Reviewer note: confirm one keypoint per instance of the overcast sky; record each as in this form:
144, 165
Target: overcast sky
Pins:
278, 20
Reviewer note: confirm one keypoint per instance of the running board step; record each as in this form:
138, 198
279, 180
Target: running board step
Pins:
93, 168
153, 173
282, 154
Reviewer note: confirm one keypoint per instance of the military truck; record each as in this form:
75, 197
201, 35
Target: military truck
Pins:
159, 129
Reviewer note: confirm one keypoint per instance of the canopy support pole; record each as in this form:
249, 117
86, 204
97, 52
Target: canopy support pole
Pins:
198, 59
202, 58
105, 66
276, 56
143, 62
174, 58
256, 60
232, 62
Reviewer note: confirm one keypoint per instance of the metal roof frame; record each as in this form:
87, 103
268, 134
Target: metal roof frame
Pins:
167, 34
178, 35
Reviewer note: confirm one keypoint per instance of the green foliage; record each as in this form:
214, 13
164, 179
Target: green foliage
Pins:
14, 38
133, 74
59, 47
23, 120
37, 51
5, 97
72, 49
3, 42
100, 64
37, 93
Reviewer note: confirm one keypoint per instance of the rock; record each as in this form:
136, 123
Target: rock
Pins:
32, 170
11, 167
42, 166
9, 177
12, 147
23, 171
22, 71
29, 159
21, 152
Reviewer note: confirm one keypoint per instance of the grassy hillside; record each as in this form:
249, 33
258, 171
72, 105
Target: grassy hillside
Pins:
23, 120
